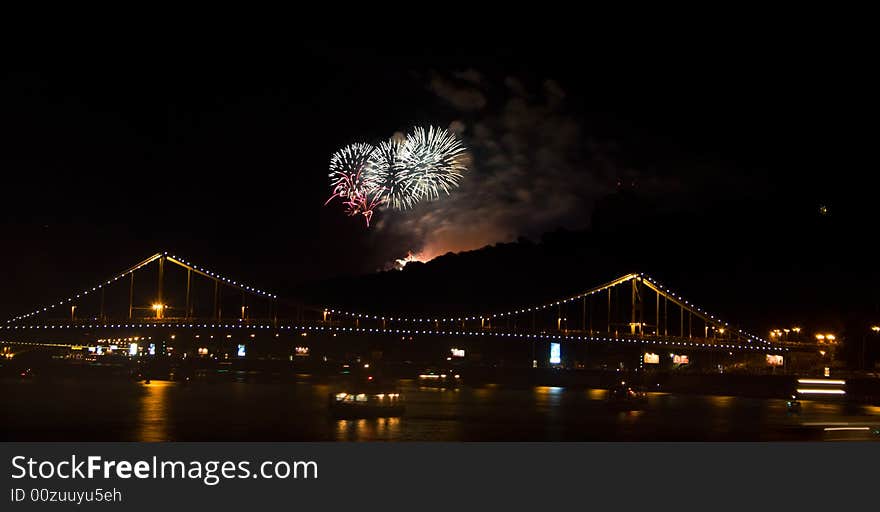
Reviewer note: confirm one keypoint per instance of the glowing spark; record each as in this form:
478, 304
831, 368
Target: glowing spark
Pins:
410, 257
387, 173
397, 173
349, 182
434, 160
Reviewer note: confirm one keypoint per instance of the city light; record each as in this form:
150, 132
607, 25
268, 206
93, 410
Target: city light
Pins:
774, 360
829, 382
555, 353
819, 391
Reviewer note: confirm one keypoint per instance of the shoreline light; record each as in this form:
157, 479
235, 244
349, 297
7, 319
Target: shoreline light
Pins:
830, 382
819, 391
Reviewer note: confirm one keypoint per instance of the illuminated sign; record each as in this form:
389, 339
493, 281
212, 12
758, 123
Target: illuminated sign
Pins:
555, 353
302, 351
133, 349
679, 359
114, 347
152, 349
774, 360
76, 347
241, 351
651, 358
203, 351
458, 352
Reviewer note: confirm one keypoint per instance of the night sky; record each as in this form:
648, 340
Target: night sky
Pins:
223, 160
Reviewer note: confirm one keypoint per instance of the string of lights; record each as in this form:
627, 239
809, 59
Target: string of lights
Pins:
654, 340
140, 265
523, 310
685, 304
226, 280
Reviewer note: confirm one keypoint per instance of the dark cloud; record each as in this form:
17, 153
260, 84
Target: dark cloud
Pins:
460, 93
469, 75
533, 169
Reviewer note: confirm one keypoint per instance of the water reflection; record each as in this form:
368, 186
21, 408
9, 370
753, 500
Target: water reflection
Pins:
721, 401
429, 389
484, 393
374, 429
229, 411
597, 394
548, 390
152, 423
548, 395
630, 417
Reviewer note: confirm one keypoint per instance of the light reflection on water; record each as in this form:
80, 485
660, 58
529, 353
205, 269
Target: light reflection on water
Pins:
154, 414
720, 401
597, 394
374, 429
72, 409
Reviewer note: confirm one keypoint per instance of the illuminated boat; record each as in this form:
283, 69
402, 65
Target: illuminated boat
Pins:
793, 405
370, 397
366, 403
624, 397
441, 378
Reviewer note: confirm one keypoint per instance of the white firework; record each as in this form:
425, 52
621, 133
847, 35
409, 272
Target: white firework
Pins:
347, 170
434, 161
388, 174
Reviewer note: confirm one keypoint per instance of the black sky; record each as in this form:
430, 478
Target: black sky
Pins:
224, 161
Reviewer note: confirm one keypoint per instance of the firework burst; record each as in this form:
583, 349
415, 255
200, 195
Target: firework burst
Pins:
398, 173
387, 174
351, 184
435, 160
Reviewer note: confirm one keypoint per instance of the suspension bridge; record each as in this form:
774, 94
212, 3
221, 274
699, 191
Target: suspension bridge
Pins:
166, 293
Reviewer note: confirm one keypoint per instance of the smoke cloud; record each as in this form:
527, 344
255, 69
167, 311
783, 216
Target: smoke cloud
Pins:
533, 169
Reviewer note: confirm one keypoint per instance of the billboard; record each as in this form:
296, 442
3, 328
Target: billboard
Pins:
555, 353
774, 360
241, 351
680, 359
651, 358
